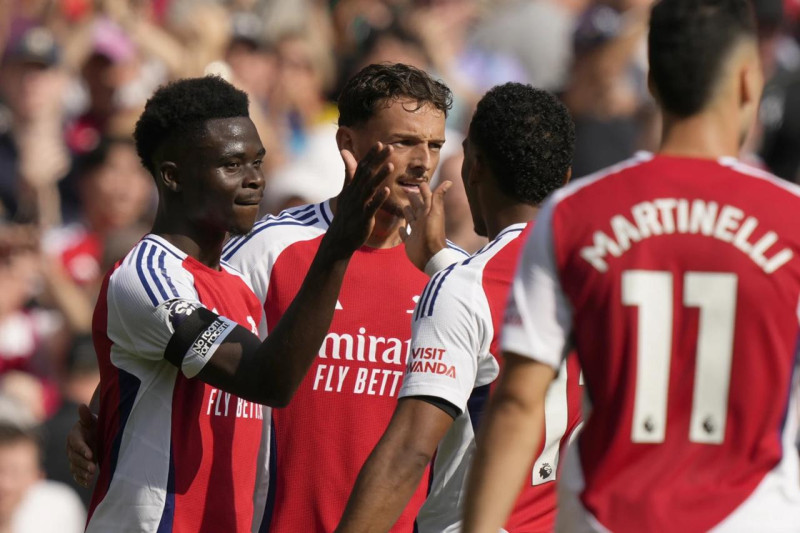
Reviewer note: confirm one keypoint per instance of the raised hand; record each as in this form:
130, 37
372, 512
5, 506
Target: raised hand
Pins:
361, 197
425, 219
81, 446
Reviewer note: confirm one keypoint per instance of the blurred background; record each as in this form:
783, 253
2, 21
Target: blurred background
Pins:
75, 75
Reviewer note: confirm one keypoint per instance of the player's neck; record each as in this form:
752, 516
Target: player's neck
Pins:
204, 246
507, 216
708, 135
386, 233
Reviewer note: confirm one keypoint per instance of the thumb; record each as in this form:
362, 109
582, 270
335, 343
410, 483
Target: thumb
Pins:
350, 164
438, 196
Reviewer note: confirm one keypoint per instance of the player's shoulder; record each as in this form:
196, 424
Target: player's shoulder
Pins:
275, 232
755, 177
599, 178
460, 284
456, 248
151, 271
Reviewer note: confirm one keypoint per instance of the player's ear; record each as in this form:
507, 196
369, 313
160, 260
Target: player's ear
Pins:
344, 139
750, 83
168, 176
651, 85
479, 169
567, 176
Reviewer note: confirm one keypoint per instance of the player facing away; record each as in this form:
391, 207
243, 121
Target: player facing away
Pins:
320, 441
183, 374
518, 150
676, 276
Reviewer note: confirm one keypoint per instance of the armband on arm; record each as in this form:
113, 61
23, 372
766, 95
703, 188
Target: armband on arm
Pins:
196, 338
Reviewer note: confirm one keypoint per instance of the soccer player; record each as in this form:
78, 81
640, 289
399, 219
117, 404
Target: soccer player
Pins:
320, 441
677, 278
518, 150
183, 374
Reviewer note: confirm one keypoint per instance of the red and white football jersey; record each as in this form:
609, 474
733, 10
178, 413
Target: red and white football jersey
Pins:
176, 455
321, 440
678, 280
455, 357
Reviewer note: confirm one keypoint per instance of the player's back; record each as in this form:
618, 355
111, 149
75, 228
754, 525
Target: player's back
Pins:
683, 276
459, 317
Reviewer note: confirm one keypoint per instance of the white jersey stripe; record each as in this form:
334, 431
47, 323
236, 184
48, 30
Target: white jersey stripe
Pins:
307, 219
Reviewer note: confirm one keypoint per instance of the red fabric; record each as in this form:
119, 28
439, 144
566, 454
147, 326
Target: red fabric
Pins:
535, 509
215, 436
679, 485
82, 259
348, 396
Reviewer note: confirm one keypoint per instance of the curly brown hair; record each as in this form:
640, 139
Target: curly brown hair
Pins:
377, 84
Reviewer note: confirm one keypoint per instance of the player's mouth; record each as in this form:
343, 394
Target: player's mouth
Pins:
248, 201
410, 185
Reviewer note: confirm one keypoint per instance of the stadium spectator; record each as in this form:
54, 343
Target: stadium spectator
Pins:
28, 503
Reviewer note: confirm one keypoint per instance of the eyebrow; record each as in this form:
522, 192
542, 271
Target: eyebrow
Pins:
413, 136
241, 154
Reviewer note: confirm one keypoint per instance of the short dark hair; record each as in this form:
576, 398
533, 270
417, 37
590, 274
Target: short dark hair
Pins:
527, 137
379, 84
688, 44
181, 108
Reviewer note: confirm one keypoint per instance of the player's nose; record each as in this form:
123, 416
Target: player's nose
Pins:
254, 178
421, 157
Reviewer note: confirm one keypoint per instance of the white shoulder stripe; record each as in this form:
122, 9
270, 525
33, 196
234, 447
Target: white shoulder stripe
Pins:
575, 186
754, 172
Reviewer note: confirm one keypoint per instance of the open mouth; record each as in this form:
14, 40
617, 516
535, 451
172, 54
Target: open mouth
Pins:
411, 186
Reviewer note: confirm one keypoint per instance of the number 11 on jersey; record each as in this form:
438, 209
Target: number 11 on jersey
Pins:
714, 293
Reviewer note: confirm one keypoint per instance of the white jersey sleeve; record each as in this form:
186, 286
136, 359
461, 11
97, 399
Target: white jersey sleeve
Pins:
538, 318
255, 254
148, 296
451, 336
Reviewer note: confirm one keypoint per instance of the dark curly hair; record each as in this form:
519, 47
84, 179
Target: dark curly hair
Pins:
180, 110
527, 137
689, 42
377, 84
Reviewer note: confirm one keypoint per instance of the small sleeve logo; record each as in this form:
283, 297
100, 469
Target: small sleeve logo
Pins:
178, 311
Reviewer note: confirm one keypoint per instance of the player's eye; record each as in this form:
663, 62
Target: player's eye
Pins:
436, 146
257, 163
232, 165
404, 142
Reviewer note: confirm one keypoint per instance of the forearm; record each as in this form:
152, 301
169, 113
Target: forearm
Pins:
384, 487
508, 440
294, 343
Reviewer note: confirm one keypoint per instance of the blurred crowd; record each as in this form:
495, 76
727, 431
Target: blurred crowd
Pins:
75, 75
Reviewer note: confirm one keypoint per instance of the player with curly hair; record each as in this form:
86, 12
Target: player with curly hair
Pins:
675, 276
518, 150
183, 375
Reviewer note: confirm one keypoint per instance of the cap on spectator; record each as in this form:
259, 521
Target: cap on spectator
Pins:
35, 45
110, 40
248, 28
